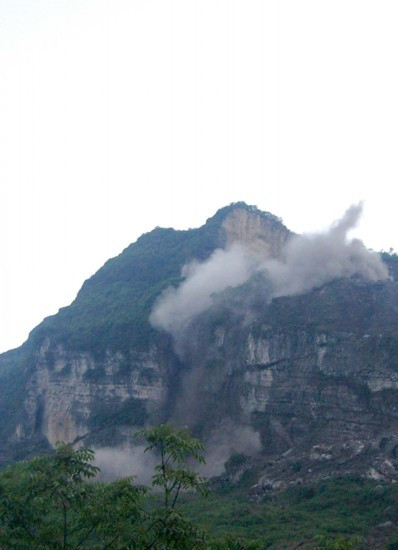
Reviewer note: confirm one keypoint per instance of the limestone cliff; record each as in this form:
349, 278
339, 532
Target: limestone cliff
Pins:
307, 385
264, 234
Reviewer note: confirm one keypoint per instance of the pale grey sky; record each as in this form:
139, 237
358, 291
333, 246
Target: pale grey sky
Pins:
120, 115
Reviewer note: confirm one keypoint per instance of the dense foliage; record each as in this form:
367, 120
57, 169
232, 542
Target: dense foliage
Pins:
112, 308
343, 510
49, 503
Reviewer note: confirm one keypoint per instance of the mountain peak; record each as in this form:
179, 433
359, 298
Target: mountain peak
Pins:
252, 209
262, 232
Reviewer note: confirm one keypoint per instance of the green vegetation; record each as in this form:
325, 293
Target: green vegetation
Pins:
343, 513
49, 503
52, 502
112, 308
168, 528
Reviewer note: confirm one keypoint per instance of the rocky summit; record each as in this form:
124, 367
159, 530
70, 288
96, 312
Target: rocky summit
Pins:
280, 351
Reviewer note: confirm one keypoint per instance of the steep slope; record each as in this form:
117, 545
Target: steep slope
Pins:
94, 369
315, 376
304, 381
111, 310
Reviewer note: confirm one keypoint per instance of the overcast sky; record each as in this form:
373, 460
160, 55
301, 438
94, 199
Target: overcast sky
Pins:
120, 115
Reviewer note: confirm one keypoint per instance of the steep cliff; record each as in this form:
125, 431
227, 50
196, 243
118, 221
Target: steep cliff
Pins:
98, 368
305, 384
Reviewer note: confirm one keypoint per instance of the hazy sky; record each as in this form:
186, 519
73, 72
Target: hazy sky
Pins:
120, 115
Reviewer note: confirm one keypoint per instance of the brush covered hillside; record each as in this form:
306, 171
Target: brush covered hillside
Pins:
279, 351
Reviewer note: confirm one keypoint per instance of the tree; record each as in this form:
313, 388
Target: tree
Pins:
47, 503
166, 527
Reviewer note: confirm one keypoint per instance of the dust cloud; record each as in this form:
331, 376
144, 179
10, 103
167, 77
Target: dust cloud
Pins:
225, 268
228, 439
307, 261
311, 261
118, 462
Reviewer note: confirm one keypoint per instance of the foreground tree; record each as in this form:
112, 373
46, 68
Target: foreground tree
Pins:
47, 503
51, 502
175, 448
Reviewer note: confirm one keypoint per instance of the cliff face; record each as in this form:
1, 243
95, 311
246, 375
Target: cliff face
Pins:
316, 376
80, 396
71, 396
262, 234
306, 385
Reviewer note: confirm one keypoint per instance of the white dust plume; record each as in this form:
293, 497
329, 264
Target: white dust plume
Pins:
229, 439
117, 462
307, 262
310, 261
225, 268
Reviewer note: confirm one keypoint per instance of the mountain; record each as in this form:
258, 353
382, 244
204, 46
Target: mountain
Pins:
278, 350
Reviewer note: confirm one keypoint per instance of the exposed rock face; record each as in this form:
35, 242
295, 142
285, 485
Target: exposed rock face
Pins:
258, 232
322, 392
76, 398
306, 385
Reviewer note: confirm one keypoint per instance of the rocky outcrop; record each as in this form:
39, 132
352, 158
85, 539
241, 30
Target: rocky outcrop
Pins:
320, 390
262, 233
303, 386
78, 398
